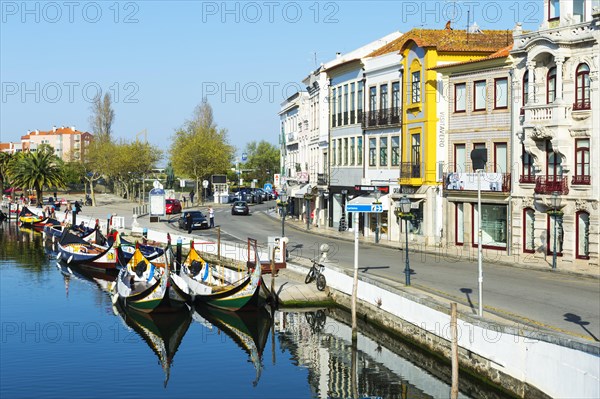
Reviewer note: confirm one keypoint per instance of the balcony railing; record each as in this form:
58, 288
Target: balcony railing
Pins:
547, 113
582, 105
550, 184
410, 170
527, 179
583, 180
382, 117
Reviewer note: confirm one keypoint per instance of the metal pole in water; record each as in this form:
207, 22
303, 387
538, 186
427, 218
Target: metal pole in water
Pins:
355, 285
454, 350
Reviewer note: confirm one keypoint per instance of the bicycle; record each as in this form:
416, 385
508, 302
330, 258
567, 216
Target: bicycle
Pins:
316, 273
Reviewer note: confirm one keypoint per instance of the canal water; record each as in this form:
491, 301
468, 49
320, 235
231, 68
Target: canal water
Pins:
62, 337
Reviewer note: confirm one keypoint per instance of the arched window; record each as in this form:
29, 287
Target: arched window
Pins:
528, 230
551, 86
582, 233
582, 87
525, 91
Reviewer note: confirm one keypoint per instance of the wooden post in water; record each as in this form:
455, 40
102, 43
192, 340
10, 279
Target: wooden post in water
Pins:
219, 244
272, 275
454, 350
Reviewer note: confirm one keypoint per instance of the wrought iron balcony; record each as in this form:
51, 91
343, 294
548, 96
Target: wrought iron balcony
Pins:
383, 117
550, 184
583, 180
527, 179
409, 170
582, 105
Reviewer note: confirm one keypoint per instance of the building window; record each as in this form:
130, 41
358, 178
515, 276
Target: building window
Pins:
352, 154
416, 155
372, 152
359, 100
345, 151
396, 99
339, 105
416, 87
500, 158
352, 103
582, 87
333, 153
459, 228
359, 151
551, 86
383, 151
493, 225
553, 9
460, 97
553, 163
372, 99
579, 10
383, 98
550, 229
333, 110
479, 95
340, 159
345, 104
501, 93
460, 158
395, 150
582, 235
528, 172
525, 91
528, 230
582, 162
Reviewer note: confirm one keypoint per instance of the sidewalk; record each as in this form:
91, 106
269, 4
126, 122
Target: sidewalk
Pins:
467, 252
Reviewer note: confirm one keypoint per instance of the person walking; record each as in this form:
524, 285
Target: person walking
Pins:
211, 216
192, 198
188, 222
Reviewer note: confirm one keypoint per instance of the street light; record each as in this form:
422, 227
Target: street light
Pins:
403, 211
555, 213
283, 204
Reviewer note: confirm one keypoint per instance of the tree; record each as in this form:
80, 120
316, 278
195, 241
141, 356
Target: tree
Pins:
263, 158
5, 159
199, 148
36, 170
102, 116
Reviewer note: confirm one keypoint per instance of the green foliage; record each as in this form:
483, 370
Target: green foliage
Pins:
5, 159
74, 172
263, 157
36, 170
199, 149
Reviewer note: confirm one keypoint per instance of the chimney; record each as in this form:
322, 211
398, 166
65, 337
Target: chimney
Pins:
37, 131
73, 128
338, 54
54, 128
28, 132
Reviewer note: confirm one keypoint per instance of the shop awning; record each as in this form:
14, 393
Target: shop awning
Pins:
370, 198
298, 192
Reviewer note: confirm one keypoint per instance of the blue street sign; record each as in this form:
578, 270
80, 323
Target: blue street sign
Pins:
244, 156
367, 208
268, 187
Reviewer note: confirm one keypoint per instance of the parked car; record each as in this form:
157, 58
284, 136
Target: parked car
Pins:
173, 206
240, 208
263, 194
199, 221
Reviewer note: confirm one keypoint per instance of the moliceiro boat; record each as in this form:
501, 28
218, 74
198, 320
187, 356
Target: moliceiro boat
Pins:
147, 287
221, 287
99, 251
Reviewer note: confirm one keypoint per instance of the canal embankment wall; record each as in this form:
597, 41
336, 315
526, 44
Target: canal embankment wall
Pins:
527, 362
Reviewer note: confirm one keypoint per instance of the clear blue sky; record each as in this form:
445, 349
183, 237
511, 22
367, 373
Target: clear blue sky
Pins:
161, 57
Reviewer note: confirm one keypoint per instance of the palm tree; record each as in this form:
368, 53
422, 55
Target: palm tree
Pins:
34, 170
5, 159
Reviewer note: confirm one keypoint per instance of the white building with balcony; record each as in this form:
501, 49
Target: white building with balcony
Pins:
557, 134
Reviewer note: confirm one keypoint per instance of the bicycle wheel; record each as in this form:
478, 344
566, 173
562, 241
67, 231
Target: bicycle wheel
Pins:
321, 282
310, 276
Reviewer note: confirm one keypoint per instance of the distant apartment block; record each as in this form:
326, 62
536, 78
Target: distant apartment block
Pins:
69, 143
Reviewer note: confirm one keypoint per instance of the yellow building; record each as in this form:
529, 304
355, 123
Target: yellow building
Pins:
424, 115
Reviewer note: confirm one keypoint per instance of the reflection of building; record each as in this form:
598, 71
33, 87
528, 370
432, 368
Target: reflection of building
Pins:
556, 118
327, 355
479, 95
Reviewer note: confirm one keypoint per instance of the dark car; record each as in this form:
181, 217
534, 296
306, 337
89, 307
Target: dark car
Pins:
173, 206
199, 221
240, 208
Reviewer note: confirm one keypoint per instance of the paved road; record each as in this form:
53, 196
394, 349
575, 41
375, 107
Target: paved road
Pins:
561, 302
554, 300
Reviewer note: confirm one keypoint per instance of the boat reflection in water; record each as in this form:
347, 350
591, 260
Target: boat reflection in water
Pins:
249, 330
163, 332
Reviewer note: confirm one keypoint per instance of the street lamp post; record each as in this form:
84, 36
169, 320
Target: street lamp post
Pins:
283, 204
555, 213
403, 210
